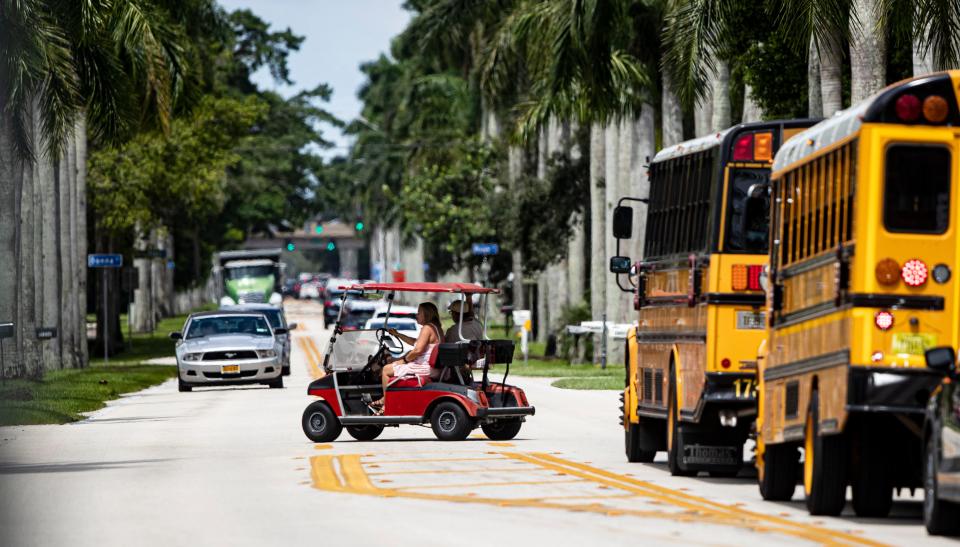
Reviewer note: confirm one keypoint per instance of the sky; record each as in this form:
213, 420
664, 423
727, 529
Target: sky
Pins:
340, 35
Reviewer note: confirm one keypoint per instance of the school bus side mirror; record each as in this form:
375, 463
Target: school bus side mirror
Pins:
942, 359
620, 264
622, 222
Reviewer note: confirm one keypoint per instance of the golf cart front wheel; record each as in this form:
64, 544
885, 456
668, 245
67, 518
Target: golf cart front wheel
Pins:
451, 422
502, 430
320, 424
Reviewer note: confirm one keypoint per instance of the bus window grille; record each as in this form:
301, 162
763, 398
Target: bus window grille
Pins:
658, 384
791, 404
647, 384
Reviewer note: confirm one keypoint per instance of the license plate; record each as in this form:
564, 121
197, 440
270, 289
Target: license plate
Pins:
751, 320
913, 344
230, 369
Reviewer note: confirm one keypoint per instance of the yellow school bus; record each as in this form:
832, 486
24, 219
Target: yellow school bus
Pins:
691, 360
863, 224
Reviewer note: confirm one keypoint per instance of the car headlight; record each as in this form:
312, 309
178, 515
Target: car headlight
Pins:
192, 356
266, 353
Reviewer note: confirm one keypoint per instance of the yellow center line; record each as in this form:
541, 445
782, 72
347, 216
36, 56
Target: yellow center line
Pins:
367, 460
458, 471
486, 484
352, 478
688, 500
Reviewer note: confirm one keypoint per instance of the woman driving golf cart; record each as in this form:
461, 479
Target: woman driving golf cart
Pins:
362, 370
416, 362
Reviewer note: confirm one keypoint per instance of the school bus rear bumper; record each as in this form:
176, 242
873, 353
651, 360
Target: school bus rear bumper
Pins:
888, 390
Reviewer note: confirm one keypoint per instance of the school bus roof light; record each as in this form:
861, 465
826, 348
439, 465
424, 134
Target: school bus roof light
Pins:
935, 109
887, 272
908, 107
763, 147
914, 272
743, 148
738, 277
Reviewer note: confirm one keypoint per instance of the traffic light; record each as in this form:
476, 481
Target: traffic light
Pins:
331, 246
359, 226
318, 229
291, 246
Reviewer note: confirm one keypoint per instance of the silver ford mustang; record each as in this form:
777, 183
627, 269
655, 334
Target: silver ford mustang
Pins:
228, 348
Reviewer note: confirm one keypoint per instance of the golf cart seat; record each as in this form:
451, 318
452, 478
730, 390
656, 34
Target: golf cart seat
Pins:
417, 380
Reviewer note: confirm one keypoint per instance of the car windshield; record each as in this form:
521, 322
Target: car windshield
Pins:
276, 321
240, 272
353, 349
254, 325
399, 325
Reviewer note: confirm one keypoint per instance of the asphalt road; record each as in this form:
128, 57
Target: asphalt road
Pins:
231, 466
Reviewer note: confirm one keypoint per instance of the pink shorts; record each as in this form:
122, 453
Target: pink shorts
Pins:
410, 369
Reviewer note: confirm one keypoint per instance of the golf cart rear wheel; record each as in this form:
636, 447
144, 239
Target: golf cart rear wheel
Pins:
502, 430
451, 422
365, 432
320, 424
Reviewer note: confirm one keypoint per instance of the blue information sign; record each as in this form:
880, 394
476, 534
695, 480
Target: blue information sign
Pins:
485, 249
104, 261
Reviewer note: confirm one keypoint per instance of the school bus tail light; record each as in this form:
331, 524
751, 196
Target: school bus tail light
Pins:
935, 109
887, 272
763, 146
746, 278
883, 320
743, 148
908, 107
914, 272
725, 363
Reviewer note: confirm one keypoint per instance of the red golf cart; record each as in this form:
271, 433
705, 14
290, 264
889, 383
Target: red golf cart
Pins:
451, 400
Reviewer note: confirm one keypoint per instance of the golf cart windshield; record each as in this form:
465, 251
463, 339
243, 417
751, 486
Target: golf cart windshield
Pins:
353, 349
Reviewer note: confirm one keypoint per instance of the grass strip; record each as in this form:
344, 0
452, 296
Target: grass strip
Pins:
603, 382
62, 396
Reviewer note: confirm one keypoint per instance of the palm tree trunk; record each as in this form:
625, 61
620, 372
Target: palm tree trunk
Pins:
703, 115
514, 172
11, 180
598, 217
868, 50
672, 122
141, 311
831, 86
721, 96
751, 110
543, 284
576, 246
814, 95
80, 257
922, 58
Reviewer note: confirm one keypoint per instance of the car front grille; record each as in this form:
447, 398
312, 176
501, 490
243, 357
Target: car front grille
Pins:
243, 374
251, 298
229, 355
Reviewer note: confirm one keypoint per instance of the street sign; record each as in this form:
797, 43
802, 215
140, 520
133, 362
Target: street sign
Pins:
485, 249
46, 333
6, 330
104, 261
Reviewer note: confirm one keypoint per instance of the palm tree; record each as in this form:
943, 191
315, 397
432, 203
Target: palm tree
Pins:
67, 69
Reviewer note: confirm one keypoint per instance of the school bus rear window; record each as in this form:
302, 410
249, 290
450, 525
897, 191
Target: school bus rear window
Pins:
917, 189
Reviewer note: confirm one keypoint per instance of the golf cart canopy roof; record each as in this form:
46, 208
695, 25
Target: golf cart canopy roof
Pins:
464, 288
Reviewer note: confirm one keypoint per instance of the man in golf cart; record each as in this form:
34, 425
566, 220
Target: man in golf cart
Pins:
464, 322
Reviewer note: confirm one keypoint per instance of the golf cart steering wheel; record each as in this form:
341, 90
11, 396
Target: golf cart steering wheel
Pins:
383, 337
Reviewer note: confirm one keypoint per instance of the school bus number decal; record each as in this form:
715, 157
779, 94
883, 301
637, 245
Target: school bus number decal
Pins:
744, 388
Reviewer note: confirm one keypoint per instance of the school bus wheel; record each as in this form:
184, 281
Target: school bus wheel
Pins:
870, 478
674, 438
824, 466
639, 441
777, 470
